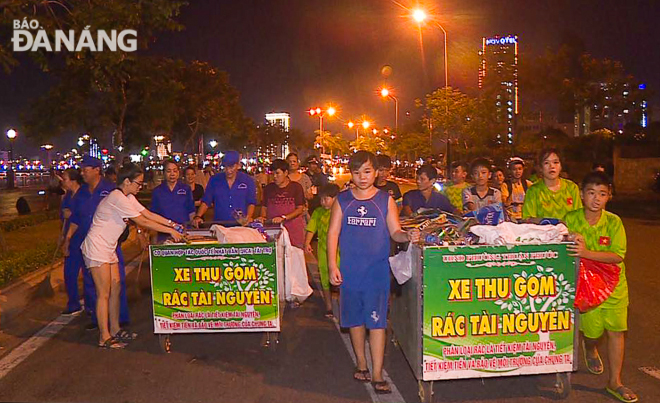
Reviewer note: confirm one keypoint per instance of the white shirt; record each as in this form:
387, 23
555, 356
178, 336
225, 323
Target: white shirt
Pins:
101, 242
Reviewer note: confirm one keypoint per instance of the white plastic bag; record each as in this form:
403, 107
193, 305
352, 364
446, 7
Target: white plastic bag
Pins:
236, 234
401, 265
508, 233
296, 283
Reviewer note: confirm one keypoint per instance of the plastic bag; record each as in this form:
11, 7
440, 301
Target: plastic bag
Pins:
492, 214
401, 265
596, 282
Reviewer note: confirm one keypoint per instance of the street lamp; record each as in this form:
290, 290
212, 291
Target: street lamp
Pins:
11, 135
47, 148
419, 15
330, 111
213, 144
350, 125
386, 93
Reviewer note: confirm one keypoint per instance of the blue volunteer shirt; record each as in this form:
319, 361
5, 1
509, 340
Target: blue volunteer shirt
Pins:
84, 204
416, 200
225, 200
176, 204
66, 204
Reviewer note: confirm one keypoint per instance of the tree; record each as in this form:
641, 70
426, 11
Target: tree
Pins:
333, 143
370, 143
109, 72
411, 145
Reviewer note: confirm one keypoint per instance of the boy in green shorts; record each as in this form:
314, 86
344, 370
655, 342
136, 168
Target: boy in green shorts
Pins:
601, 237
318, 223
454, 189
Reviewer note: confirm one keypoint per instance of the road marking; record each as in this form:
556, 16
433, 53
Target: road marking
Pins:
653, 371
24, 350
395, 396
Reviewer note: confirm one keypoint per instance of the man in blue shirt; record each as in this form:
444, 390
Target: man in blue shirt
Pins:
83, 207
229, 191
425, 195
172, 199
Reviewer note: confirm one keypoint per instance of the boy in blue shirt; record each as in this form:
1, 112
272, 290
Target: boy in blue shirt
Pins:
361, 223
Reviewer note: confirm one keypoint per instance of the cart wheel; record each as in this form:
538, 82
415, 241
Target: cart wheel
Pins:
165, 343
563, 385
425, 391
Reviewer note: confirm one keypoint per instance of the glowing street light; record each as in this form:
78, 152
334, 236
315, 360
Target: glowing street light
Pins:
350, 124
330, 111
366, 124
419, 15
375, 131
213, 144
386, 93
11, 135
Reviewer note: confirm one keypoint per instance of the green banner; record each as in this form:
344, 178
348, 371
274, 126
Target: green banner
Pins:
214, 288
497, 311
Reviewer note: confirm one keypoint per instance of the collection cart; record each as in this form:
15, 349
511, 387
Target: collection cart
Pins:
488, 311
209, 287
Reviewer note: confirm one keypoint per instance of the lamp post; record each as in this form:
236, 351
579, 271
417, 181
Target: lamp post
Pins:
11, 135
47, 148
420, 16
330, 111
386, 93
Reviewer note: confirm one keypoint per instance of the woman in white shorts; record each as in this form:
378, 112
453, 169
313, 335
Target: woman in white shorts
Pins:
100, 247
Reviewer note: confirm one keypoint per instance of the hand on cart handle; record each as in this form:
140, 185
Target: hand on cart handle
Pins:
335, 276
176, 235
579, 248
196, 221
413, 235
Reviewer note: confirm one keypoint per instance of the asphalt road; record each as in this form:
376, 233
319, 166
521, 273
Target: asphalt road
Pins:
311, 363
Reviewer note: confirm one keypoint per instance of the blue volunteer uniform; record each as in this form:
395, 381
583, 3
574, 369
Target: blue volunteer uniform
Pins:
176, 204
71, 267
84, 207
415, 199
227, 200
364, 242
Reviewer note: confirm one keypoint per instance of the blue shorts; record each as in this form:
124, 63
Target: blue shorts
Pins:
363, 308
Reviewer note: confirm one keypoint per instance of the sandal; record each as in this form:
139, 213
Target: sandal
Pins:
594, 365
621, 392
125, 335
362, 375
112, 343
329, 315
381, 387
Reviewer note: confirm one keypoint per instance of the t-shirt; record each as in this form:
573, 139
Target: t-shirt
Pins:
542, 202
83, 207
305, 182
470, 195
319, 223
517, 198
176, 204
108, 224
455, 194
415, 200
392, 189
281, 201
198, 192
227, 200
608, 235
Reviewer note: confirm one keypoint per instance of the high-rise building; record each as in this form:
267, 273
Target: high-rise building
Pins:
498, 77
279, 118
282, 119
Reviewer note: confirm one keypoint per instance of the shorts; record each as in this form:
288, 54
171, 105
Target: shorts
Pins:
90, 263
363, 308
594, 322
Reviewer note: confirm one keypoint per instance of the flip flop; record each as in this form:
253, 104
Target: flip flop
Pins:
112, 343
329, 314
362, 375
381, 387
124, 335
594, 365
620, 392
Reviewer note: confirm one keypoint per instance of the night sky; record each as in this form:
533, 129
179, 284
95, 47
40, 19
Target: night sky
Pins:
289, 55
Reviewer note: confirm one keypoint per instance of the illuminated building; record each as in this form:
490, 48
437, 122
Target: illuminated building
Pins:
282, 119
498, 77
162, 147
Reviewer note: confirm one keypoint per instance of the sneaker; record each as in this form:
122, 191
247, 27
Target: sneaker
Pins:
73, 312
91, 326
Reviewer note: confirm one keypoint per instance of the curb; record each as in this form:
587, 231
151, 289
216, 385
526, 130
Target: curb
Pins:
43, 282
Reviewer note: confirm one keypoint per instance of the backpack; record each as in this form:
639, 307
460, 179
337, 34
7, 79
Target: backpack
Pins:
509, 185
